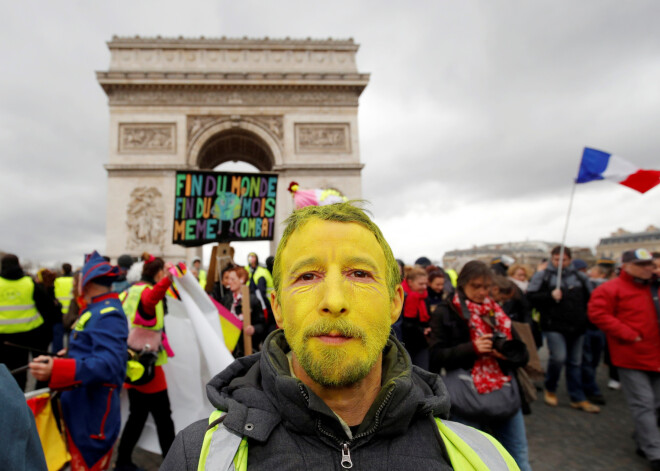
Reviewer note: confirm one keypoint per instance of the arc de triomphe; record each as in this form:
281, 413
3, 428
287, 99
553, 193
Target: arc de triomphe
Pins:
285, 106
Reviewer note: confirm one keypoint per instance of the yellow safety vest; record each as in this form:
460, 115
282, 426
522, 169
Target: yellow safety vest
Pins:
64, 291
18, 313
261, 272
202, 278
469, 449
130, 300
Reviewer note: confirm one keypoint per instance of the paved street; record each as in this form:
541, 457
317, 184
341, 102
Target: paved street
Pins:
560, 438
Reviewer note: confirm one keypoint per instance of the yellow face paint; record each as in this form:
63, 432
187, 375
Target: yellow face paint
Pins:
335, 306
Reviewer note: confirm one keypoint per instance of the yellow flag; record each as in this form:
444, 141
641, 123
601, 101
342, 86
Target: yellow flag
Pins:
52, 440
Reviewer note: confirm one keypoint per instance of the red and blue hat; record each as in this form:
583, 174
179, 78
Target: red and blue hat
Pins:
97, 269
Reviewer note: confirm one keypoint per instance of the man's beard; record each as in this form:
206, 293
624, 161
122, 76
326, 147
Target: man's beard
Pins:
338, 365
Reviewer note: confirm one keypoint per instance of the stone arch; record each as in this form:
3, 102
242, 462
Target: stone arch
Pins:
230, 139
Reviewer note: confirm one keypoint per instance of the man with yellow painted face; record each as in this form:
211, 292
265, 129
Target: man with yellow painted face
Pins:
331, 388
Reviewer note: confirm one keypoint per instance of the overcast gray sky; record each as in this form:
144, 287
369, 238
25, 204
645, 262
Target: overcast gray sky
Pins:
471, 128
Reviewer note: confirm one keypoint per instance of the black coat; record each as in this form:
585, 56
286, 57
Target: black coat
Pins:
292, 428
451, 346
569, 316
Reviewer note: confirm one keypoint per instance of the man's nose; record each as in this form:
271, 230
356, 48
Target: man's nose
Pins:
334, 300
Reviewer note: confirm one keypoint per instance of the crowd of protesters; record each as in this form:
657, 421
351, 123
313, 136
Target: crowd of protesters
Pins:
480, 324
607, 311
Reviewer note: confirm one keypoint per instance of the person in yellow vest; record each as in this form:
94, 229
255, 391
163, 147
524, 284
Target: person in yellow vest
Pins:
145, 308
453, 276
23, 307
331, 388
260, 277
64, 287
201, 273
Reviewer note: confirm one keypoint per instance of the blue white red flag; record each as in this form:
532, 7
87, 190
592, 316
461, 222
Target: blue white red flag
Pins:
599, 165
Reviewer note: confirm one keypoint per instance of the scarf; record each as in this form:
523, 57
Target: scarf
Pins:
415, 306
486, 372
520, 284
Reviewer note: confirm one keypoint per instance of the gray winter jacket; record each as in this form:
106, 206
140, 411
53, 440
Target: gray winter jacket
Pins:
290, 428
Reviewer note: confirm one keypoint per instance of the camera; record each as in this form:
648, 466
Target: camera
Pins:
513, 350
499, 339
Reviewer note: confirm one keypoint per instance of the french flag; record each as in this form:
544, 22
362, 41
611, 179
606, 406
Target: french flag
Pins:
599, 165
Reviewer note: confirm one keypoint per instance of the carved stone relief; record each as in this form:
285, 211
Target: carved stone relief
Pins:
147, 138
240, 59
134, 96
198, 124
322, 137
144, 219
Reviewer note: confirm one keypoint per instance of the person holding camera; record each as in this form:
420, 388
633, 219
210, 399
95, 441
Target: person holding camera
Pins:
472, 339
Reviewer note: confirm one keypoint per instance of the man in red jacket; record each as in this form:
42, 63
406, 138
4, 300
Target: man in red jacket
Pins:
625, 309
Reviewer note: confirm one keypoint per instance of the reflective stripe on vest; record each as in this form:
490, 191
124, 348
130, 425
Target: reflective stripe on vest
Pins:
64, 291
468, 448
222, 450
18, 312
22, 307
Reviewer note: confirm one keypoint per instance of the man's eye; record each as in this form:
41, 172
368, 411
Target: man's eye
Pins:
307, 277
361, 274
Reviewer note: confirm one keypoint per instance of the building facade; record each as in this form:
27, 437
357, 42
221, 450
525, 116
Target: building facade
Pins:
622, 240
529, 253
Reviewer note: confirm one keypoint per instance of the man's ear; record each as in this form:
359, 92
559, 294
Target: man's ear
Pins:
397, 303
277, 310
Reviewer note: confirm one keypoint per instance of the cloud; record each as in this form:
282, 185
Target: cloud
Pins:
435, 227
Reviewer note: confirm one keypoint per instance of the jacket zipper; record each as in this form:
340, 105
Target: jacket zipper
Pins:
346, 461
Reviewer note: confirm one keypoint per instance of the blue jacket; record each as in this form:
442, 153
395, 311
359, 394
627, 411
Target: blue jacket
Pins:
92, 377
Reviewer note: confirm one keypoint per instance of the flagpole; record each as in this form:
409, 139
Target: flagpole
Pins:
563, 240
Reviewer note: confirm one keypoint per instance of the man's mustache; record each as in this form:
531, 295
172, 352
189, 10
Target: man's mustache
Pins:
337, 327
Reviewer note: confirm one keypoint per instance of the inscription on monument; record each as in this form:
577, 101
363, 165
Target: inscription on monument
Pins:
321, 137
144, 219
147, 138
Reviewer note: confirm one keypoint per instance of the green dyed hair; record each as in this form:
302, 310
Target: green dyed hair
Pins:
338, 212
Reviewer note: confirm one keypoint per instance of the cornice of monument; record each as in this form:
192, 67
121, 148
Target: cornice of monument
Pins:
146, 167
318, 166
129, 77
159, 42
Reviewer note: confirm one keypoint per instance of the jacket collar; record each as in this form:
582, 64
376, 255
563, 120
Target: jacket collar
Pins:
624, 275
259, 389
104, 297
